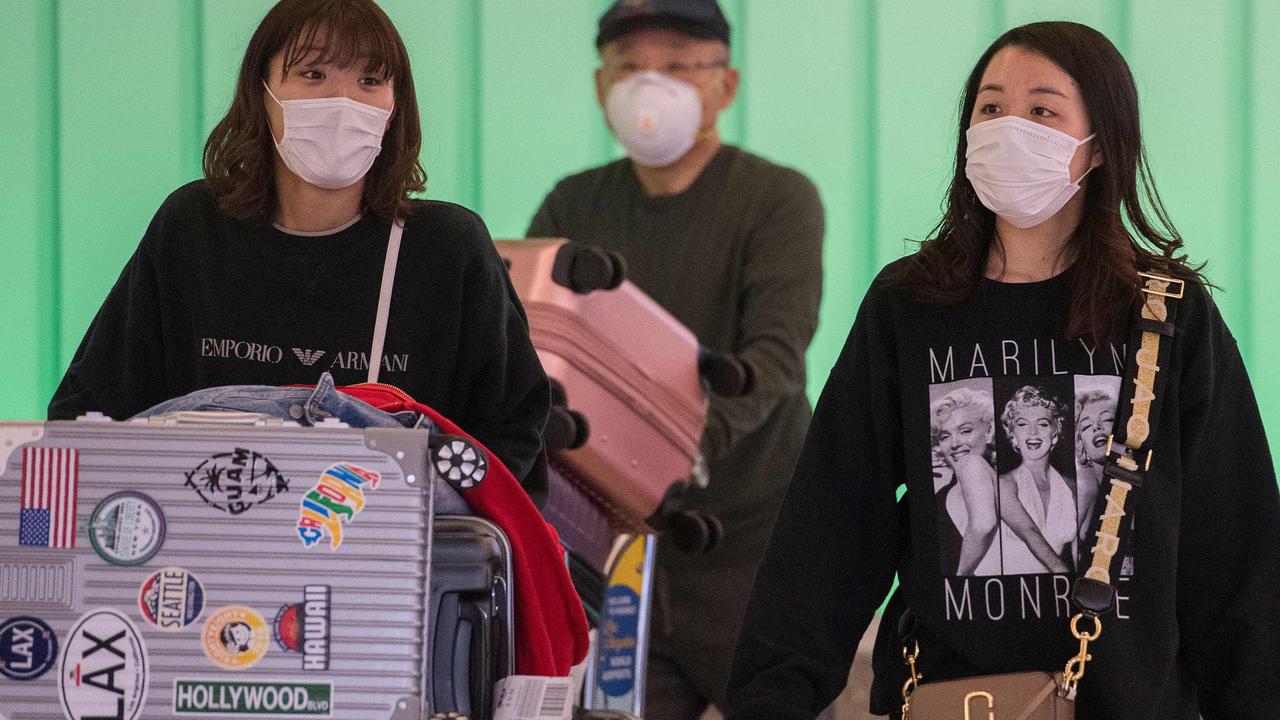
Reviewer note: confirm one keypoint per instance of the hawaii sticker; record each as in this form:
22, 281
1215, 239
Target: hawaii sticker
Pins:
127, 528
28, 648
171, 599
337, 498
232, 697
104, 671
235, 637
303, 627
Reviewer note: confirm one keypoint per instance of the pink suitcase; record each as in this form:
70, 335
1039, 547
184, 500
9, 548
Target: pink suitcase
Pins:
626, 367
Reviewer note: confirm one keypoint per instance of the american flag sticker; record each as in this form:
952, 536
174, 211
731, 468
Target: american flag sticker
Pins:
48, 512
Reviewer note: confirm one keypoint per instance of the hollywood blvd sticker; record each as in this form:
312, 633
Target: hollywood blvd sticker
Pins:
232, 697
104, 671
127, 528
304, 627
171, 599
236, 481
28, 648
336, 498
235, 637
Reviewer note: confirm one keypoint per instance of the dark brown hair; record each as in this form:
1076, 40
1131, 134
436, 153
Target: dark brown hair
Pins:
239, 157
949, 266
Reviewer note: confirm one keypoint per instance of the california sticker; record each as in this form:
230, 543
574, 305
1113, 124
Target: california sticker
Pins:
337, 498
236, 637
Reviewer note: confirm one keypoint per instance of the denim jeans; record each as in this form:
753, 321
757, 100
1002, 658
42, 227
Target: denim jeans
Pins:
309, 407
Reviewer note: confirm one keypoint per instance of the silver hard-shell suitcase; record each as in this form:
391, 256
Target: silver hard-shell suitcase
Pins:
150, 571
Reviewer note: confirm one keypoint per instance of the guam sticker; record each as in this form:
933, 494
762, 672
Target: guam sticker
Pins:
236, 481
104, 670
337, 498
236, 637
171, 599
28, 648
127, 528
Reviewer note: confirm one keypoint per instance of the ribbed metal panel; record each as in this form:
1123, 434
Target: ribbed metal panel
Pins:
377, 576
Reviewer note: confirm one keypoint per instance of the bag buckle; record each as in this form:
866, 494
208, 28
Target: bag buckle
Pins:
1123, 457
1175, 294
1075, 666
909, 655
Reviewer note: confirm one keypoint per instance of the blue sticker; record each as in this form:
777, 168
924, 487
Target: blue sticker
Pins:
619, 640
28, 648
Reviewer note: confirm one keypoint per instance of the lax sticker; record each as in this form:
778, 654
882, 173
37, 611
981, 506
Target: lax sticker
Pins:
104, 670
28, 648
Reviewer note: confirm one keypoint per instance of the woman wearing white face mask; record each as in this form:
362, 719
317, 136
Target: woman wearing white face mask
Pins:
1030, 281
273, 268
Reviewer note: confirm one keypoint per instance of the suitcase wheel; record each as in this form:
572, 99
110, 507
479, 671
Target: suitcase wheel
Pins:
565, 430
692, 531
459, 461
725, 374
583, 268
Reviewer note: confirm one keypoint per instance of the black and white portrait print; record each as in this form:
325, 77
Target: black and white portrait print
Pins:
1095, 412
1017, 471
1039, 515
962, 433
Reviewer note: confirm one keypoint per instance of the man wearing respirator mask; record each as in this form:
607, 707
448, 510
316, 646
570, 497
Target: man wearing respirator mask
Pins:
730, 244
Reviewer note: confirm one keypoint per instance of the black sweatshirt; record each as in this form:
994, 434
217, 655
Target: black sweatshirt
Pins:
208, 301
993, 421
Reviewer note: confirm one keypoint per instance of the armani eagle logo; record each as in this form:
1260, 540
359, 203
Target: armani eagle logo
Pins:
308, 357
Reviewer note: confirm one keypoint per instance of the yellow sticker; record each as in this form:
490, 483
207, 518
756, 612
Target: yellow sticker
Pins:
236, 637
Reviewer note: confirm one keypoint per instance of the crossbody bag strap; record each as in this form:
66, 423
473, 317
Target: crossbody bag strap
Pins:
384, 299
1128, 457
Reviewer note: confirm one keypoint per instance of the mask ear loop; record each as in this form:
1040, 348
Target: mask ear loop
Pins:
1088, 170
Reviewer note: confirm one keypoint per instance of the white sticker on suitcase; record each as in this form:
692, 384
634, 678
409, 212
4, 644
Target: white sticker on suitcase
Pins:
104, 670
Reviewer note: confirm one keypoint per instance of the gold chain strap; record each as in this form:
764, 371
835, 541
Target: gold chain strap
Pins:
1075, 666
909, 686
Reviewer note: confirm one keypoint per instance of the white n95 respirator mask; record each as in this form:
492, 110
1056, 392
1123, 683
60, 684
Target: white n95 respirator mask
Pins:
654, 116
330, 142
1021, 169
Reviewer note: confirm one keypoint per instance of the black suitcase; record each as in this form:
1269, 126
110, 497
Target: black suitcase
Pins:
471, 640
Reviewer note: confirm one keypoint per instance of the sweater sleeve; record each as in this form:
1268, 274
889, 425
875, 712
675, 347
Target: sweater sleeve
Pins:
508, 394
832, 556
1229, 540
779, 311
119, 367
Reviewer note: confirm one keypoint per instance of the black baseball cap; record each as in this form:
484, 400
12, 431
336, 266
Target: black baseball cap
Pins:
699, 18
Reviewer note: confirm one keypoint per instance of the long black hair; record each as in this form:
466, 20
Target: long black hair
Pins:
1117, 236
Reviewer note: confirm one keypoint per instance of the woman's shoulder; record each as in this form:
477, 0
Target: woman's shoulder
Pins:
446, 219
193, 200
443, 227
188, 214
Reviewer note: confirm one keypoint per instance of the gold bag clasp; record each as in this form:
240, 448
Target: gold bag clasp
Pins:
983, 694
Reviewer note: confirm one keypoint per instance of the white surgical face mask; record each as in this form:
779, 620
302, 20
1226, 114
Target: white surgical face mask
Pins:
654, 116
330, 142
1021, 169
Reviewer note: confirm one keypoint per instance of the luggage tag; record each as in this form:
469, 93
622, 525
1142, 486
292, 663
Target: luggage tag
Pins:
533, 697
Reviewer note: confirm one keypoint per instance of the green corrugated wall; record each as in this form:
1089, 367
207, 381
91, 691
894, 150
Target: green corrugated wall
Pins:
106, 104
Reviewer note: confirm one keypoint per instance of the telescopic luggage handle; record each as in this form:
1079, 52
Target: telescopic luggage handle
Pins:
216, 417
